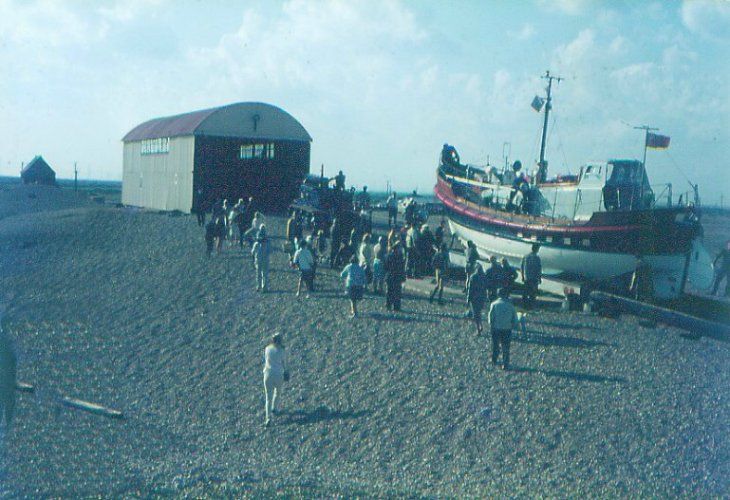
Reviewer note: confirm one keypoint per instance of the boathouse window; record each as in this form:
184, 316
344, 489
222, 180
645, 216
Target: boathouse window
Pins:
160, 145
566, 241
586, 242
558, 240
257, 151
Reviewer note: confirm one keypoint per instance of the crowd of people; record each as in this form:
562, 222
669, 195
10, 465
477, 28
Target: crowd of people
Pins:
371, 264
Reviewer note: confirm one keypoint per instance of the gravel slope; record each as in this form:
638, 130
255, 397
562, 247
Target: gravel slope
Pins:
121, 307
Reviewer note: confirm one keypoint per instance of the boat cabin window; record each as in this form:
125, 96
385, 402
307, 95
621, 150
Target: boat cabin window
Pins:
591, 172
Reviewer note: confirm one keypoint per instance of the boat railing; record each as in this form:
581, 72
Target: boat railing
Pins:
554, 207
664, 198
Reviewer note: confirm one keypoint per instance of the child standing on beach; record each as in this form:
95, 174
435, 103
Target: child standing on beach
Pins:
440, 265
355, 281
304, 260
381, 252
275, 374
366, 256
321, 244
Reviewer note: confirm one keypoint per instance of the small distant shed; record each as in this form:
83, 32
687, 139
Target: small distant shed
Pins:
38, 172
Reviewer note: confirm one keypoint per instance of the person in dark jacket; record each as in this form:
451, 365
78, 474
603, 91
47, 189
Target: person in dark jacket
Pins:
472, 256
509, 275
494, 278
438, 234
343, 255
395, 269
426, 249
335, 239
440, 266
476, 296
210, 235
220, 233
239, 218
531, 276
8, 367
199, 207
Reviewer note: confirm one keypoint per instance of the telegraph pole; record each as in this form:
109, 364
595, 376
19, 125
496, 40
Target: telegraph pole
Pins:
76, 178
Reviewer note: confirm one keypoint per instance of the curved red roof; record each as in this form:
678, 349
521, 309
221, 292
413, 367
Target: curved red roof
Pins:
169, 126
243, 119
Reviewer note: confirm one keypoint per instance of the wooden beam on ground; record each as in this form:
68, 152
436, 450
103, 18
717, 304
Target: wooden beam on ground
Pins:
23, 387
92, 408
701, 326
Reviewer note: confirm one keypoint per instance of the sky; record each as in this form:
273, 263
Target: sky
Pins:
380, 85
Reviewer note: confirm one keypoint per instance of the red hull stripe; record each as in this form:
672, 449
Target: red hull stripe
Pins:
448, 200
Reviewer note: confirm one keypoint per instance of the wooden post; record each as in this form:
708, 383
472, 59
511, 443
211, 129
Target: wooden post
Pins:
23, 387
91, 407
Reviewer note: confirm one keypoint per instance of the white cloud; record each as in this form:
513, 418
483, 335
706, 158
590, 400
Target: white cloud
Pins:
618, 45
709, 18
575, 52
571, 7
676, 55
525, 33
127, 10
46, 23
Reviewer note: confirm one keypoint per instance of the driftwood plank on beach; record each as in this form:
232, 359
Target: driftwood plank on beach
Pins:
94, 408
674, 318
23, 387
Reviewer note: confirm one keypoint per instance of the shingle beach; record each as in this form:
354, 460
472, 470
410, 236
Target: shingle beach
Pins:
121, 307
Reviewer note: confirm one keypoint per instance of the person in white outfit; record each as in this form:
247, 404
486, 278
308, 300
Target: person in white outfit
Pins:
260, 252
250, 234
275, 373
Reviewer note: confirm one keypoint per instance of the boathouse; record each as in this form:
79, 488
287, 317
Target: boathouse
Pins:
188, 161
38, 172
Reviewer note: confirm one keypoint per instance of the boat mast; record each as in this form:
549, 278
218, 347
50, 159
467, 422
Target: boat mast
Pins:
542, 165
646, 129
